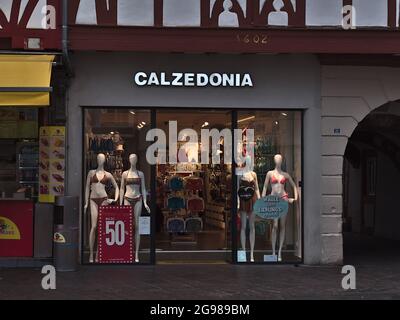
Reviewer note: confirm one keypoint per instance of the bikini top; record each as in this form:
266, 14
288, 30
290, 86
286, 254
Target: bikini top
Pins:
94, 179
246, 189
133, 181
274, 180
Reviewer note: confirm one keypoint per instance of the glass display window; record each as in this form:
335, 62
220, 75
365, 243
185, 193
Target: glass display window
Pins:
269, 218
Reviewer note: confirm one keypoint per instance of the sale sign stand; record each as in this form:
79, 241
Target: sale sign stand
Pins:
115, 235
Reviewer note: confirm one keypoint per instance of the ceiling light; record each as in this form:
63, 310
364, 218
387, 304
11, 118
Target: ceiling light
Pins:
132, 112
246, 119
284, 114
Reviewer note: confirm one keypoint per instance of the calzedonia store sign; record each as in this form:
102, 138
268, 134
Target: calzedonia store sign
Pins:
181, 79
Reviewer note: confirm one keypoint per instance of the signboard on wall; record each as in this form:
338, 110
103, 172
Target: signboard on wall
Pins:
115, 234
51, 163
16, 229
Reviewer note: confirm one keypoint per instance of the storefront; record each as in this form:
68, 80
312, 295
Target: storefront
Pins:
192, 205
24, 98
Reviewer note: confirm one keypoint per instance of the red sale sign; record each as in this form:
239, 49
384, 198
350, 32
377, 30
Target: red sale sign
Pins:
115, 234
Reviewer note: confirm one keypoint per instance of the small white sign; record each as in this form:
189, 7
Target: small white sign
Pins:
144, 225
241, 256
270, 258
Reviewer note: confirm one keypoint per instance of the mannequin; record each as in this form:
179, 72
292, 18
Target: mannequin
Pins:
248, 194
277, 179
133, 193
96, 195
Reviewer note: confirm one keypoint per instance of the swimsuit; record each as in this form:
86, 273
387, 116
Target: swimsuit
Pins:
176, 225
133, 181
176, 183
133, 201
94, 179
99, 201
194, 184
274, 180
247, 195
193, 224
176, 203
195, 204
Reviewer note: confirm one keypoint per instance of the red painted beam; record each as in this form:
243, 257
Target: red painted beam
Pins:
234, 41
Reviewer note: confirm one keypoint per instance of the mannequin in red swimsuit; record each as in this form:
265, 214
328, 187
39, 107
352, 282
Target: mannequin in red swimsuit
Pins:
134, 194
96, 195
277, 179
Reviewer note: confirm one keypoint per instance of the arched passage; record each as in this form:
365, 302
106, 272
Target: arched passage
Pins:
371, 177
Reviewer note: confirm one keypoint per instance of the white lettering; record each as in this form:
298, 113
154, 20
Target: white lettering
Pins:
247, 82
139, 76
177, 79
153, 80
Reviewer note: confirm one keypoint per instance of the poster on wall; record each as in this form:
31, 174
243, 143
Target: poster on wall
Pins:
16, 229
115, 234
51, 163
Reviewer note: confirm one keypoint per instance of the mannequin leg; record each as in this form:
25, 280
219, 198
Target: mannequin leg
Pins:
273, 236
282, 231
138, 211
243, 220
252, 235
94, 213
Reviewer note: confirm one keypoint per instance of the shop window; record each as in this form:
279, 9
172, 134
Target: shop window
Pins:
117, 182
269, 230
194, 194
19, 159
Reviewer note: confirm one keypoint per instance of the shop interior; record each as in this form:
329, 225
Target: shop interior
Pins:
194, 214
19, 158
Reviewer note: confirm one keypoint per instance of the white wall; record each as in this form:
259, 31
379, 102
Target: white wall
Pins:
348, 95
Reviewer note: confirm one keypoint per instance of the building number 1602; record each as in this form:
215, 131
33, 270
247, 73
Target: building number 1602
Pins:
115, 231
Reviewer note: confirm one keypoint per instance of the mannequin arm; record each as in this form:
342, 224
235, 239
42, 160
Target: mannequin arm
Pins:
122, 190
266, 185
296, 194
87, 191
237, 191
115, 185
257, 189
144, 192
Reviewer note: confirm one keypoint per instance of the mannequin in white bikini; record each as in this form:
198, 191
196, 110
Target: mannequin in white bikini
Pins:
133, 193
96, 195
277, 179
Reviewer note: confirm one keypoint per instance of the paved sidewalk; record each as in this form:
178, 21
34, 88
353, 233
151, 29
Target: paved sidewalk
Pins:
203, 282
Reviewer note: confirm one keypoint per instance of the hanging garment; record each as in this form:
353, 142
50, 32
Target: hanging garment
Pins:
176, 183
175, 225
194, 224
176, 203
195, 204
194, 184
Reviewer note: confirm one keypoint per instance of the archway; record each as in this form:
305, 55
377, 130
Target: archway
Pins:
371, 176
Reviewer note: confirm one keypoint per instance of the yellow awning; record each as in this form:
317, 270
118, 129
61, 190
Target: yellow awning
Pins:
25, 80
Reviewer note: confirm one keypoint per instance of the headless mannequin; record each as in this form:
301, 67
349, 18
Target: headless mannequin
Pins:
96, 195
249, 176
133, 191
277, 179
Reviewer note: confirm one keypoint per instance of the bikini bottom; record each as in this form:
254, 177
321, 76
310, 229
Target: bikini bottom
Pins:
99, 201
133, 201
